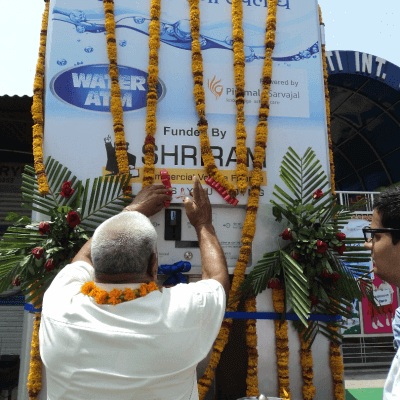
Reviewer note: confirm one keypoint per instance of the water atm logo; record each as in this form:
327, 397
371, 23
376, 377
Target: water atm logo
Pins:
89, 87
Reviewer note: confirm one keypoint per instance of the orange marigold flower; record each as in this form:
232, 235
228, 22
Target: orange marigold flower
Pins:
88, 287
114, 297
143, 290
129, 294
152, 286
101, 296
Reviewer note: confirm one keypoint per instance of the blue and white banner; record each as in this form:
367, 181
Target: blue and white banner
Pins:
78, 123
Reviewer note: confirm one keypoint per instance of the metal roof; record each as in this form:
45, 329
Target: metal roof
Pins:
365, 120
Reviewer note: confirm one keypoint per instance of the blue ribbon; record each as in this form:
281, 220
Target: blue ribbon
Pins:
277, 316
29, 307
175, 272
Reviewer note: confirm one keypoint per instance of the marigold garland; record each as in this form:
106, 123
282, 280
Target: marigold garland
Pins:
328, 111
116, 296
282, 348
249, 226
116, 103
336, 361
239, 68
306, 362
198, 91
34, 383
151, 120
37, 108
251, 340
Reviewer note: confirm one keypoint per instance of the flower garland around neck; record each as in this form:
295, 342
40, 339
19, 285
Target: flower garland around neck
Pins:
328, 111
151, 121
249, 228
199, 96
37, 108
116, 296
116, 103
239, 68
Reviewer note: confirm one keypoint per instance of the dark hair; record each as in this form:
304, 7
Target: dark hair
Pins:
388, 206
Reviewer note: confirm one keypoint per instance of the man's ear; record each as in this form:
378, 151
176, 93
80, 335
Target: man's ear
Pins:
152, 264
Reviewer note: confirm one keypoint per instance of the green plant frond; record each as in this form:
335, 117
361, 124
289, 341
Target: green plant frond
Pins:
321, 175
287, 215
55, 174
293, 172
293, 154
309, 168
307, 197
64, 175
290, 184
290, 163
308, 153
284, 194
311, 171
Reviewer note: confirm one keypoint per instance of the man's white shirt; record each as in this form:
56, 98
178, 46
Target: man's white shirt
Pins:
144, 349
391, 390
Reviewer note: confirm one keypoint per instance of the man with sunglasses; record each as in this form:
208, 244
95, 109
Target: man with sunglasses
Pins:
383, 239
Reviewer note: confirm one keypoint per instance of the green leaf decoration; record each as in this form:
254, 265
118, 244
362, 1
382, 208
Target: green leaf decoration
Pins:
94, 203
312, 272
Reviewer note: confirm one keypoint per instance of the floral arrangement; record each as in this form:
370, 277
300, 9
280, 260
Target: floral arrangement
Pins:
249, 229
151, 120
37, 107
32, 253
239, 67
116, 103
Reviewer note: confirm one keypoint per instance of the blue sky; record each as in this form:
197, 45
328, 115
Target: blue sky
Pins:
361, 25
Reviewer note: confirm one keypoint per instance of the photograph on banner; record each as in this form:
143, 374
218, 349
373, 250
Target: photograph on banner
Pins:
352, 326
354, 230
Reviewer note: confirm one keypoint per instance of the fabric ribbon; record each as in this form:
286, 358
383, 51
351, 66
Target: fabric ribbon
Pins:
175, 272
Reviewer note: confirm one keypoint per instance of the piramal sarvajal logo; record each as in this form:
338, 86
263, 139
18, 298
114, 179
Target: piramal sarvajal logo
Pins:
215, 88
89, 87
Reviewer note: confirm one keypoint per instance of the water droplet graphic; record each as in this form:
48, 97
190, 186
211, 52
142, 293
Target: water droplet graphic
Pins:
182, 30
296, 57
314, 56
171, 30
229, 40
138, 20
203, 41
77, 16
163, 28
89, 49
62, 62
249, 54
122, 43
307, 54
80, 29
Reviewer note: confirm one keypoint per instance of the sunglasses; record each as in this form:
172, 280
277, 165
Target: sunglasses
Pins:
369, 233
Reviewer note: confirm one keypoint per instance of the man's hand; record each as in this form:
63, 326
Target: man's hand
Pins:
150, 200
198, 211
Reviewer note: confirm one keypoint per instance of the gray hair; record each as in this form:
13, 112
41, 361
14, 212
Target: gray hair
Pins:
123, 244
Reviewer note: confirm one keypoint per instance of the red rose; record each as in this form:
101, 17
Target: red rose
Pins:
322, 247
314, 300
16, 281
286, 234
44, 228
38, 252
326, 274
73, 219
317, 194
341, 249
49, 266
66, 190
335, 277
341, 236
294, 255
274, 284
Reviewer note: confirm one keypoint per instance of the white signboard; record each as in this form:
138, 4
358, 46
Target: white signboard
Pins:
78, 126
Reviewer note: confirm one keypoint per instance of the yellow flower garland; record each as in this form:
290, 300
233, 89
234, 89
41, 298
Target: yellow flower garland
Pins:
251, 340
37, 108
116, 296
307, 368
249, 226
198, 91
151, 121
282, 348
34, 383
336, 361
328, 111
116, 103
239, 67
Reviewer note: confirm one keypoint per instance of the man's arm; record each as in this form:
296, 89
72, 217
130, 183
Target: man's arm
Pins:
213, 259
